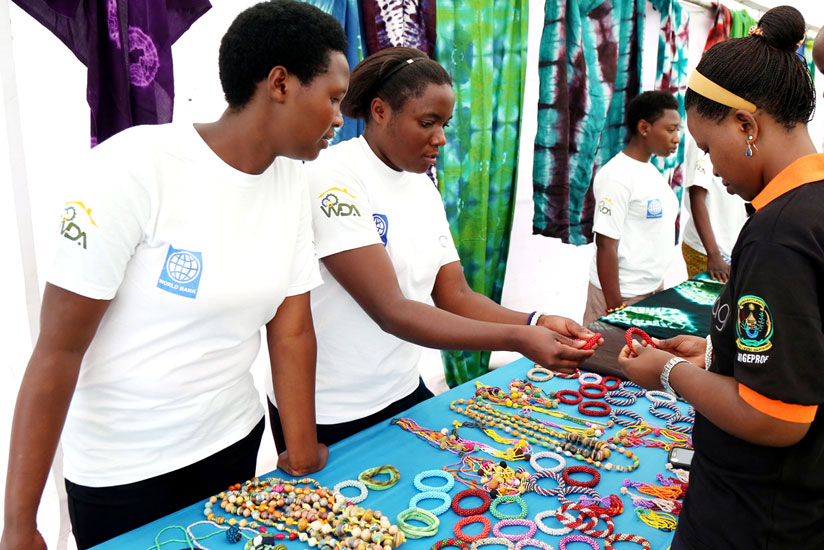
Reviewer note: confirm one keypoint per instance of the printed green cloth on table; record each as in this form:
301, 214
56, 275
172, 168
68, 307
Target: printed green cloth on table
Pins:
671, 75
590, 67
483, 46
683, 309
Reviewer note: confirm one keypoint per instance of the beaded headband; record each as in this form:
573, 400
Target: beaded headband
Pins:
397, 68
702, 85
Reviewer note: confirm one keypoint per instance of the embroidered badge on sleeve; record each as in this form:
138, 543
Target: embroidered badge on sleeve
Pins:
755, 325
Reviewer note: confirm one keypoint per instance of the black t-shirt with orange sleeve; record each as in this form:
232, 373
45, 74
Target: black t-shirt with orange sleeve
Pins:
767, 332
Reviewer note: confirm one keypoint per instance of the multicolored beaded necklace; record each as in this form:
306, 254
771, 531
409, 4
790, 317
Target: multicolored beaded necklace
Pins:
586, 449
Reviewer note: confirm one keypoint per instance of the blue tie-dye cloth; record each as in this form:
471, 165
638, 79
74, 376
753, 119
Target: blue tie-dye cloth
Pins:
590, 67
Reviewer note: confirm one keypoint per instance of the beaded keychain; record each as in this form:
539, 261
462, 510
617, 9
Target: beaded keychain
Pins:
657, 520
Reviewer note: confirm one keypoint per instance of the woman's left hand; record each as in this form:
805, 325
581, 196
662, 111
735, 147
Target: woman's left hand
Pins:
644, 365
567, 327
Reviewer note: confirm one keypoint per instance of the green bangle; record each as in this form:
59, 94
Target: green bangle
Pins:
431, 523
367, 477
493, 508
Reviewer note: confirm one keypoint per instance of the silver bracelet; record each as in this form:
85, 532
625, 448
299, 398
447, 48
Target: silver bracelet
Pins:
665, 375
708, 353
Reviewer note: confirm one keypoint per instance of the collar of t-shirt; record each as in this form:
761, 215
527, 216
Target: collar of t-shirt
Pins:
384, 173
209, 161
802, 171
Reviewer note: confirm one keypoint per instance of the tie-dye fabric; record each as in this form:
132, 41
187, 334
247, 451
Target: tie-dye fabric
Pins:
720, 30
590, 67
483, 46
127, 48
348, 14
671, 75
409, 23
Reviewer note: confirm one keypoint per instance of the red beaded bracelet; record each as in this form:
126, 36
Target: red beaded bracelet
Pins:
645, 544
450, 542
591, 341
605, 382
472, 519
644, 336
596, 477
600, 390
574, 400
471, 511
594, 408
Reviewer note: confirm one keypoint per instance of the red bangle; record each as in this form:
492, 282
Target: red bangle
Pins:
594, 408
574, 400
617, 382
472, 519
596, 477
471, 511
591, 341
644, 336
449, 542
601, 390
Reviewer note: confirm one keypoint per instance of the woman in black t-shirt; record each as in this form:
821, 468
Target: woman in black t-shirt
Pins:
757, 383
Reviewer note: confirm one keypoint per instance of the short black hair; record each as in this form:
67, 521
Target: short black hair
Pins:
293, 34
387, 74
649, 106
763, 69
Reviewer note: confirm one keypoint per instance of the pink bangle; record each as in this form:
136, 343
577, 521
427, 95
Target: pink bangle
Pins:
562, 544
533, 528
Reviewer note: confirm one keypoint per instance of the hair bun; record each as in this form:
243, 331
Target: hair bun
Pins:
783, 27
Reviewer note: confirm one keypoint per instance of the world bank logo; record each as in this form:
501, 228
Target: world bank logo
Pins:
181, 272
182, 266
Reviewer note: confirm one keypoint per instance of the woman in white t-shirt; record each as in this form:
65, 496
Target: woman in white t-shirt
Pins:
180, 243
635, 210
385, 247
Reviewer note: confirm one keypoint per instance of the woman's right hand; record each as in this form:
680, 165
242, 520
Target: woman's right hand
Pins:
691, 348
552, 350
22, 539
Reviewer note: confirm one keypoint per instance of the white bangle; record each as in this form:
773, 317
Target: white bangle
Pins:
533, 319
708, 353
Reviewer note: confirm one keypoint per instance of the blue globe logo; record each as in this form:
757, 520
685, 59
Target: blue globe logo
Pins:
183, 267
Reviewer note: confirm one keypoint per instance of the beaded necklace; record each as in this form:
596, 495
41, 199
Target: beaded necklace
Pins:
586, 449
311, 513
638, 436
446, 441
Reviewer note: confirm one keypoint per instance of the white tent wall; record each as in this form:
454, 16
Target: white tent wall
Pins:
44, 87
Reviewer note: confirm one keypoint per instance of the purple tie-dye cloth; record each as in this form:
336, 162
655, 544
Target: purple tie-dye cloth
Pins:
127, 47
409, 23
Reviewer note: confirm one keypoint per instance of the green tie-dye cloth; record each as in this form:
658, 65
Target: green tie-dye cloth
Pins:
483, 46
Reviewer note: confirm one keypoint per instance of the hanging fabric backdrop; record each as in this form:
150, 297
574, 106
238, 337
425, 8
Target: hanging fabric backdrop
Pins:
590, 66
483, 46
126, 46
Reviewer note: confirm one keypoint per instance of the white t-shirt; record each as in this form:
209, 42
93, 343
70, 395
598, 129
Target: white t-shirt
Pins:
634, 205
195, 257
726, 211
358, 201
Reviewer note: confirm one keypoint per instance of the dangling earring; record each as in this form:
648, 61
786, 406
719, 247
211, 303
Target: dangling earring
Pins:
750, 147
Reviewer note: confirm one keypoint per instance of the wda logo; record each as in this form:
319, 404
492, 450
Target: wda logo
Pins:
338, 201
181, 272
74, 224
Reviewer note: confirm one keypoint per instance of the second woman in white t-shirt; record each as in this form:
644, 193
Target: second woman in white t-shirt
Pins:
384, 241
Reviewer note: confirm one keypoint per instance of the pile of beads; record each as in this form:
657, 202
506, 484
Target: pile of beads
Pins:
312, 514
367, 477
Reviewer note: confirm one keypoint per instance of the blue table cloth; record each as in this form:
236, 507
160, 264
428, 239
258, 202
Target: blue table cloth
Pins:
386, 443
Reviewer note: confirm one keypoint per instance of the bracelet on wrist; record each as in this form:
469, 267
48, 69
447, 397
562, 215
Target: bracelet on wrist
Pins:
708, 354
614, 309
532, 320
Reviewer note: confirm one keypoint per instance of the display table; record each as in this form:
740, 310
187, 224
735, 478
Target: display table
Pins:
386, 443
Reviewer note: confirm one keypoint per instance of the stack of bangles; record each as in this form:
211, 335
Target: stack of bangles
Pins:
367, 477
429, 520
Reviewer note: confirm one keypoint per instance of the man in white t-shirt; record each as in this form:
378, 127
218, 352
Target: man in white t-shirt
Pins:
635, 210
179, 244
716, 218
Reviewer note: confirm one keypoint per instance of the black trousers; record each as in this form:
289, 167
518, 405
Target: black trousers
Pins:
332, 433
101, 513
